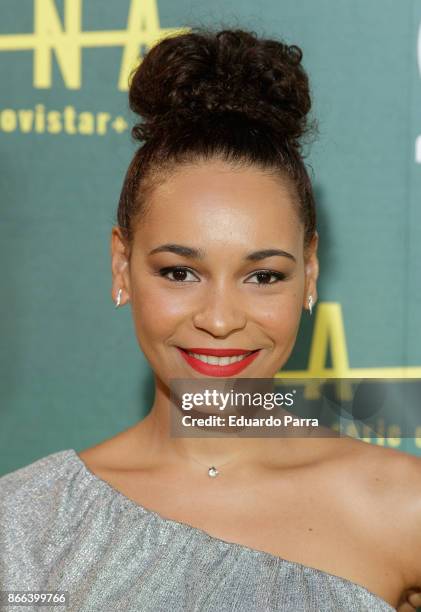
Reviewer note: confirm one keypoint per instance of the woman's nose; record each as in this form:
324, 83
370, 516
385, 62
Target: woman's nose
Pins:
220, 313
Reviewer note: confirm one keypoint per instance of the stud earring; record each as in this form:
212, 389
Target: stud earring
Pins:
310, 304
118, 300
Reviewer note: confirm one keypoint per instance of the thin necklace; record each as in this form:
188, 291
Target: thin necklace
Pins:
212, 471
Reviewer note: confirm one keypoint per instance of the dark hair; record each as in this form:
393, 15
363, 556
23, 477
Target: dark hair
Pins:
226, 94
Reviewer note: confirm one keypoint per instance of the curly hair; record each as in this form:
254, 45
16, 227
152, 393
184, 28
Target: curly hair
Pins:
227, 95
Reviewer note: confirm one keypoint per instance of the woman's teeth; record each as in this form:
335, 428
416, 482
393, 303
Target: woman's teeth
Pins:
221, 361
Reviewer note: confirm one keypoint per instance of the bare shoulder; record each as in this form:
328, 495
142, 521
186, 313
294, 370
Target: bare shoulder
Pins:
389, 480
396, 466
399, 471
389, 472
121, 452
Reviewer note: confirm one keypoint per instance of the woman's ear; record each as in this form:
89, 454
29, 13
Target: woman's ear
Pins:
311, 269
119, 266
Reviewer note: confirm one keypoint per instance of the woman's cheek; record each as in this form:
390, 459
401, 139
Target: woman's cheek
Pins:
278, 313
156, 312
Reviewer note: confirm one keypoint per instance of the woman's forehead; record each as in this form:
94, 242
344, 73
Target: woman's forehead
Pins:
214, 199
218, 178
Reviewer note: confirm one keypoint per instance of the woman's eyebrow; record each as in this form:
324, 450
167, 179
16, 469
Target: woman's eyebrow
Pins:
179, 249
193, 253
258, 255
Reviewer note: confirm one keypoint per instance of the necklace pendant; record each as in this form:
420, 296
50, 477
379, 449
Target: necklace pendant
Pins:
212, 472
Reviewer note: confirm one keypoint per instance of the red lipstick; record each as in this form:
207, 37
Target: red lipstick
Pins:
218, 352
209, 369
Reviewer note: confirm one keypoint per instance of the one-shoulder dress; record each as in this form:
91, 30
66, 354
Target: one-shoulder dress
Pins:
62, 528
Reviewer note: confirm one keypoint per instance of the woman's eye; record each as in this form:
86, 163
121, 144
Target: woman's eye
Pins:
178, 274
264, 277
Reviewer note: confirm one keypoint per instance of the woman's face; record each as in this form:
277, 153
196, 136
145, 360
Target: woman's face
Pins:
217, 263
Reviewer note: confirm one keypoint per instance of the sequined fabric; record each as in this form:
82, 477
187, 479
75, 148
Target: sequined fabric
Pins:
63, 528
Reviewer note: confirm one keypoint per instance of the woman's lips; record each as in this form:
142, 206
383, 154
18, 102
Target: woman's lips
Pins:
218, 352
218, 369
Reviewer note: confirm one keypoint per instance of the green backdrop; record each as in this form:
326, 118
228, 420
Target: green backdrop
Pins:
71, 371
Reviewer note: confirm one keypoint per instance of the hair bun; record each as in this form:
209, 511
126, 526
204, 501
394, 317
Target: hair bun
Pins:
190, 76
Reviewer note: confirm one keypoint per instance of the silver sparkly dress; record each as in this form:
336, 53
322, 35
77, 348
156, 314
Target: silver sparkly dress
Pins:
64, 529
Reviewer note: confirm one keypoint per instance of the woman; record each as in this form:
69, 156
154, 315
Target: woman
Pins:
216, 250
